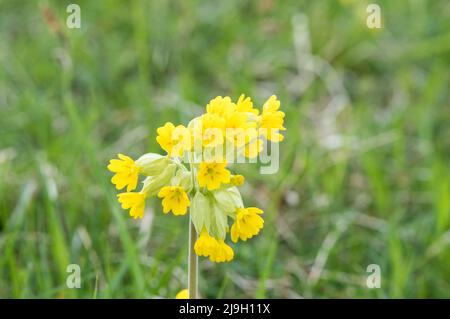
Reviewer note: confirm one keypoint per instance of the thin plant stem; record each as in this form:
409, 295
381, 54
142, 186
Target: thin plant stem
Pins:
193, 264
193, 259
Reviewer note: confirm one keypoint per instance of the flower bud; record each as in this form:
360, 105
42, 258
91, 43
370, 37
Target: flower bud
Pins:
152, 164
229, 199
183, 178
237, 180
153, 184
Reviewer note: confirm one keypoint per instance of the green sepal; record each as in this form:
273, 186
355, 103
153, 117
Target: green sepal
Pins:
201, 210
153, 184
152, 164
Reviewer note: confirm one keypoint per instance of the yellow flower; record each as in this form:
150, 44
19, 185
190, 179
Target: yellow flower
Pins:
135, 201
237, 180
175, 199
205, 245
126, 172
238, 130
211, 130
217, 250
212, 174
237, 120
221, 253
252, 149
183, 294
222, 106
247, 224
245, 104
271, 121
174, 140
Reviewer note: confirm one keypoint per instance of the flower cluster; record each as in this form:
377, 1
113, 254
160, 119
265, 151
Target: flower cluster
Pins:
226, 131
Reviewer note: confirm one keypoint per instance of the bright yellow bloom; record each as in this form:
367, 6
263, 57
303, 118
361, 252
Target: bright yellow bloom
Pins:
174, 140
175, 199
205, 244
238, 130
271, 121
217, 250
221, 253
237, 180
247, 224
212, 174
222, 106
135, 201
245, 104
126, 172
211, 130
183, 294
237, 120
252, 149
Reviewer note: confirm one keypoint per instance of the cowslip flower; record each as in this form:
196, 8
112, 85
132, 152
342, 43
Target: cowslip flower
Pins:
175, 199
205, 244
126, 172
222, 252
272, 120
133, 201
221, 106
193, 177
247, 224
239, 130
174, 139
212, 174
237, 180
245, 104
211, 130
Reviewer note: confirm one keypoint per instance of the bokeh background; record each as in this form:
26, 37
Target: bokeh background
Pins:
364, 176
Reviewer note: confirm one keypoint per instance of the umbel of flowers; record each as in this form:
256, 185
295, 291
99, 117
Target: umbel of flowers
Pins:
194, 173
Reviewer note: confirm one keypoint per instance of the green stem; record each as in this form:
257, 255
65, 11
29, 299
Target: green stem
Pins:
193, 259
193, 263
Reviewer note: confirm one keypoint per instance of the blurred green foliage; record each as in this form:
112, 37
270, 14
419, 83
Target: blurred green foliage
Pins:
366, 182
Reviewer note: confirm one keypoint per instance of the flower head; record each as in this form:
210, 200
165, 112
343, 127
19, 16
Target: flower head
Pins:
210, 130
126, 172
248, 223
135, 201
238, 129
221, 253
252, 149
205, 244
228, 131
212, 174
217, 250
175, 199
222, 106
272, 120
245, 104
237, 180
174, 139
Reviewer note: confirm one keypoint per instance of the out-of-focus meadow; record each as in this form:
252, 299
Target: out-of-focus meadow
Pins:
364, 175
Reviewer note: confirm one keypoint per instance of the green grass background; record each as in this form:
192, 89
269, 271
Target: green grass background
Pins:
368, 184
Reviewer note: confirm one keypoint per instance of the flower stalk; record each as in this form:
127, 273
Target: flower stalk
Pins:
193, 263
